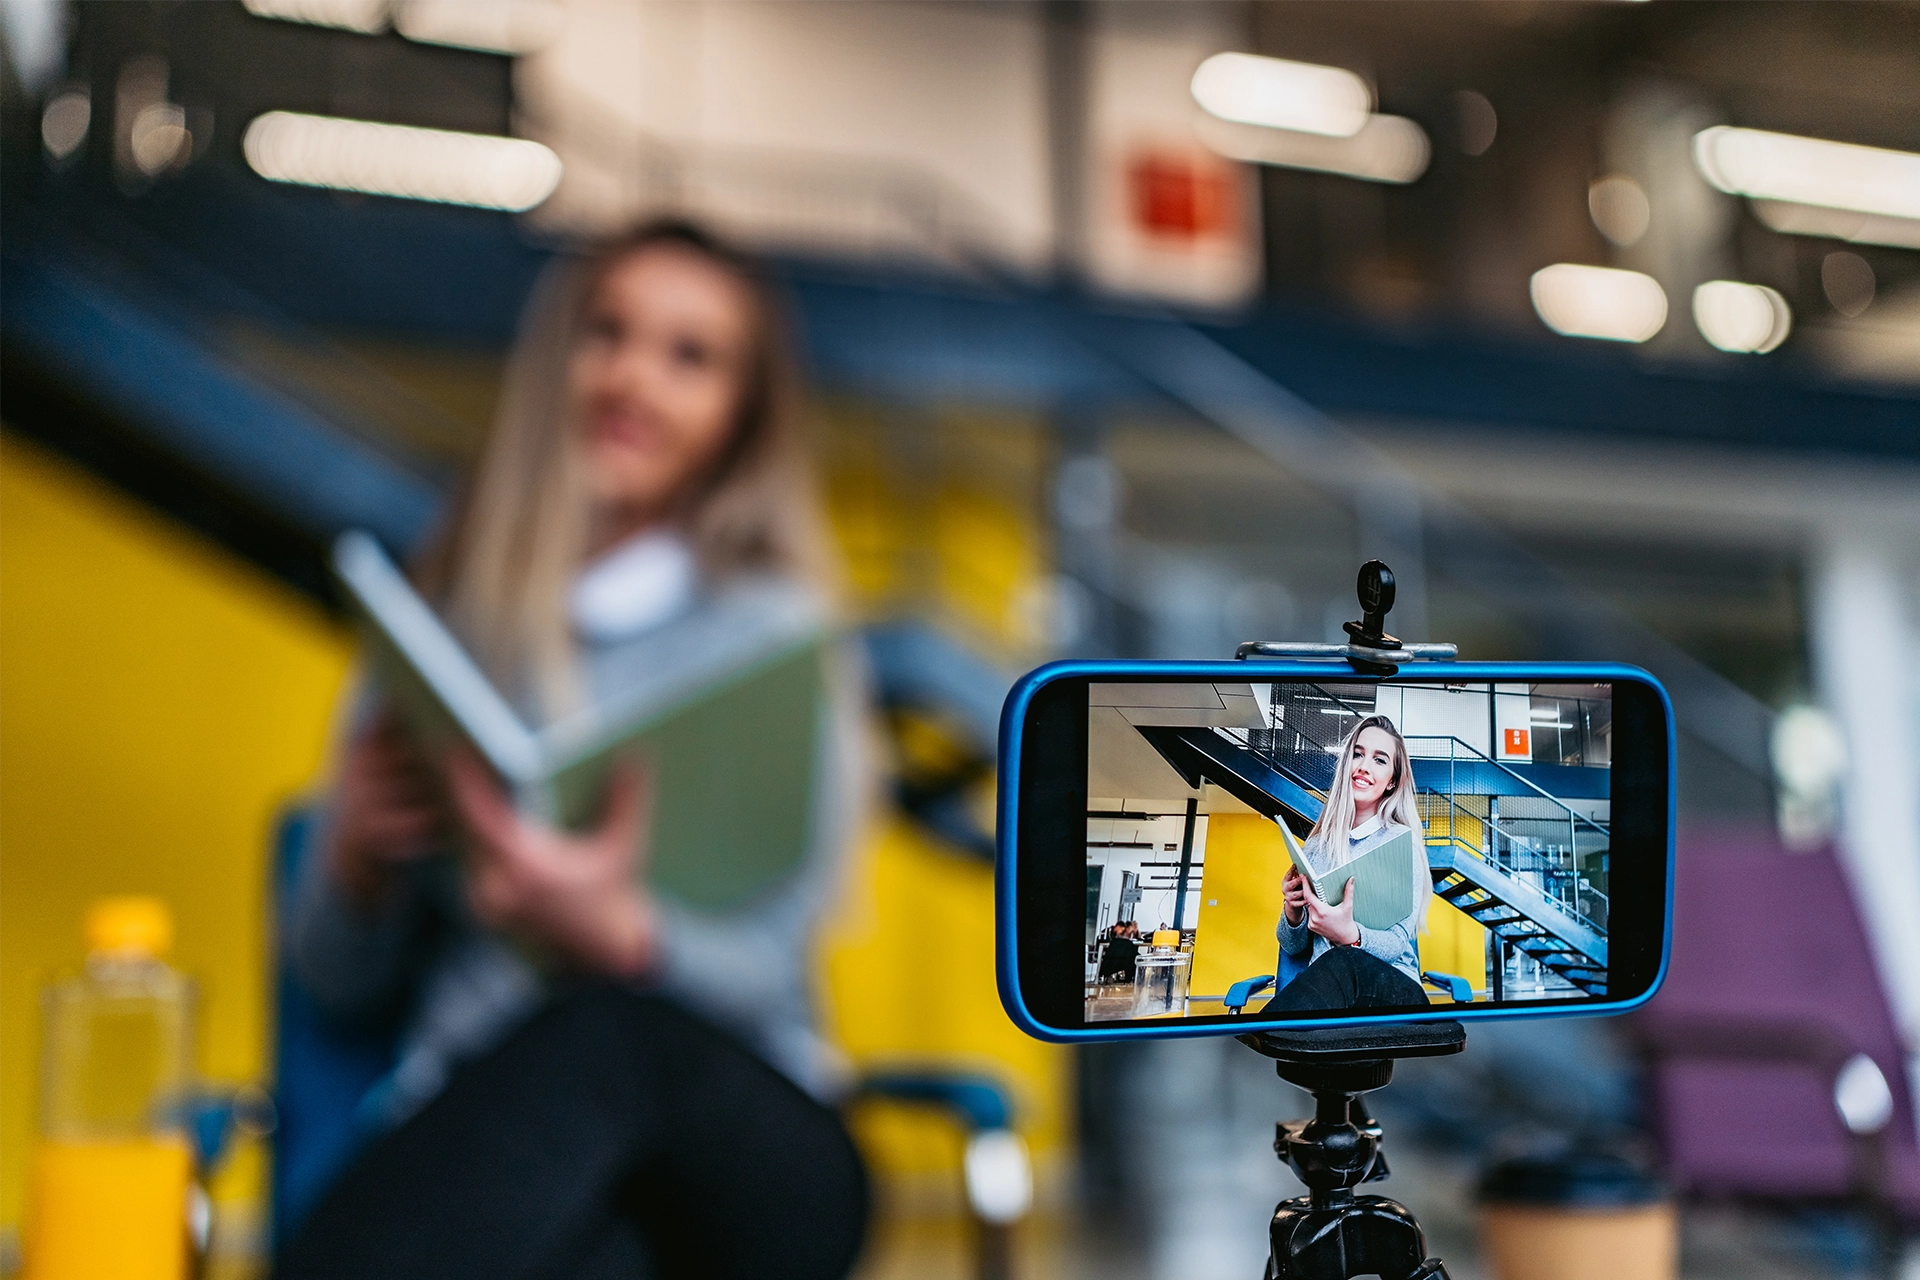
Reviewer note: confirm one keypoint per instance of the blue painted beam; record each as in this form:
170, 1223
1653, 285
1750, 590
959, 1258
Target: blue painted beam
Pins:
159, 379
446, 275
1479, 778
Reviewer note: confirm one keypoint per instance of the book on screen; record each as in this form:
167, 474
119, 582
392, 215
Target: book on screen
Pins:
1382, 879
728, 724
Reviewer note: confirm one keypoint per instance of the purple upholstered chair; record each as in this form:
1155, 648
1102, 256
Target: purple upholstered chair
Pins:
1772, 992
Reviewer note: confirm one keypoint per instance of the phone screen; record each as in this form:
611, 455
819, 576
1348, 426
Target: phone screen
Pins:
1301, 848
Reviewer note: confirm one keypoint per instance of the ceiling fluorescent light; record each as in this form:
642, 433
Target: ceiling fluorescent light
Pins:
492, 26
1838, 224
1746, 318
64, 122
1387, 149
1811, 171
395, 160
1598, 302
365, 16
1283, 95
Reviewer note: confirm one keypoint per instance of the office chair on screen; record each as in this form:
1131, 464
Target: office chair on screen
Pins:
1287, 968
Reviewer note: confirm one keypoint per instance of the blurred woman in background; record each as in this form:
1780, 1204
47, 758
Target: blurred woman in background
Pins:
593, 1080
1370, 802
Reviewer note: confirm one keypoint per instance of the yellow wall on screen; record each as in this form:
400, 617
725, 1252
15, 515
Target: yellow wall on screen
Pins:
1246, 862
1240, 902
1453, 943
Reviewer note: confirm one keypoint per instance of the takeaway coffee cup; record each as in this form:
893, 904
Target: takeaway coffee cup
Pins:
1577, 1215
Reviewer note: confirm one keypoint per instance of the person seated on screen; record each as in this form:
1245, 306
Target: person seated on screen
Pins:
1123, 949
592, 1078
1352, 967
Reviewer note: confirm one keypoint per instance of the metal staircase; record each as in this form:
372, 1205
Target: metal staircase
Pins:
1518, 913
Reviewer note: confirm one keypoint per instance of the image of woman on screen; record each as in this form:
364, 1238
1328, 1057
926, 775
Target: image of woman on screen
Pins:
1348, 965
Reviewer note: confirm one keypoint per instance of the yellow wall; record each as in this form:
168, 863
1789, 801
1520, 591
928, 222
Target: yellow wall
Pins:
1246, 861
910, 978
158, 701
943, 522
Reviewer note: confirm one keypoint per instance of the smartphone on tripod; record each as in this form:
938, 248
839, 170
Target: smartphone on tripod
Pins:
1339, 854
1233, 847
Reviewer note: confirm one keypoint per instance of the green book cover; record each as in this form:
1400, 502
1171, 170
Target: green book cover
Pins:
1382, 879
729, 726
732, 771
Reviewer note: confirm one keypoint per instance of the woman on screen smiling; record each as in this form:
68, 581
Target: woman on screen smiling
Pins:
592, 1078
1370, 802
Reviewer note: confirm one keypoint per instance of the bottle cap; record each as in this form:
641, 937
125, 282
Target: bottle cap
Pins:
131, 925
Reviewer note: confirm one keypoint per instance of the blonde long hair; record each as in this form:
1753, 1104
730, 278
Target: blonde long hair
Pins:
1329, 837
520, 528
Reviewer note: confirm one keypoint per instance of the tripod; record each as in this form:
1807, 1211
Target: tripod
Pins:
1330, 1233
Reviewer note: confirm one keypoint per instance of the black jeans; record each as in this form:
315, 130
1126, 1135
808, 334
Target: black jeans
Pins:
615, 1135
1348, 978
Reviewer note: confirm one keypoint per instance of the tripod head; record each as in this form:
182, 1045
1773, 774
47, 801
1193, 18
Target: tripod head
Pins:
1339, 1148
1331, 1233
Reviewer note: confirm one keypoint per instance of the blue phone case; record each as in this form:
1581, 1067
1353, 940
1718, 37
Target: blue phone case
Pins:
1013, 715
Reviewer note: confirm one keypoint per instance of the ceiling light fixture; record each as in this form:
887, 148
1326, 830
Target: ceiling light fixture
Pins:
491, 26
1620, 208
365, 16
1838, 224
1279, 94
1809, 171
1387, 149
1848, 281
64, 122
1744, 318
482, 170
1598, 302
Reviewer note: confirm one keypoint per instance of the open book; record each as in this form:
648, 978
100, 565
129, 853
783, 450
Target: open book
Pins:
1382, 879
727, 717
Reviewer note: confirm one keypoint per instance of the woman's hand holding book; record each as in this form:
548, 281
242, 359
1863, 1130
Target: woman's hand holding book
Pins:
1333, 922
387, 812
1297, 893
576, 895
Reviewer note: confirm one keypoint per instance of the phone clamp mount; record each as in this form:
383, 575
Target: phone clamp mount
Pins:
1372, 652
1330, 1233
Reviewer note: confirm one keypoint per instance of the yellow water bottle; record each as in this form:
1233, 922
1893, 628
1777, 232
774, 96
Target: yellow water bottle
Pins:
112, 1168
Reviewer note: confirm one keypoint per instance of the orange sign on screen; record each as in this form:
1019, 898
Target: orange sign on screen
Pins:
1517, 743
